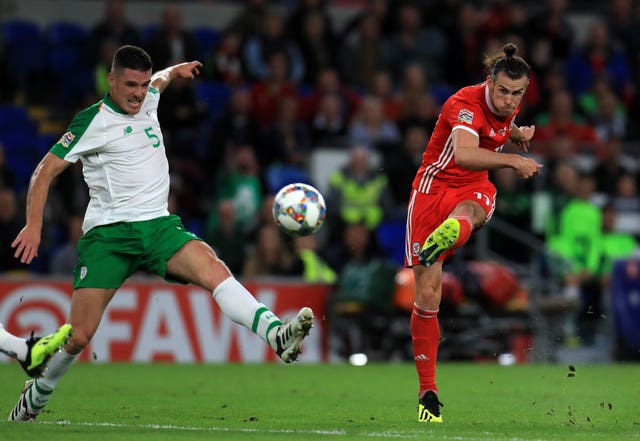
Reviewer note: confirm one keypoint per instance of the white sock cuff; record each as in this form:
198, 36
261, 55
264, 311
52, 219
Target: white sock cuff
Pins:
221, 285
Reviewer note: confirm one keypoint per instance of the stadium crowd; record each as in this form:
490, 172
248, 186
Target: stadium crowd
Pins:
281, 85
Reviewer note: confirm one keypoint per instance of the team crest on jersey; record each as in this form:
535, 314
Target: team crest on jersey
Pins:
465, 116
503, 131
66, 139
416, 247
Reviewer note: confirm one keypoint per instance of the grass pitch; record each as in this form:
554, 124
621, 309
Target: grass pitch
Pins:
330, 402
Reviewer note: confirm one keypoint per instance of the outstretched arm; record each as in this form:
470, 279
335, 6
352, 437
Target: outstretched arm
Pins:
28, 240
161, 79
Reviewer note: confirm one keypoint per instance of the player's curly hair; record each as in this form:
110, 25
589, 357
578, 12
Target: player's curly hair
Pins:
508, 62
131, 57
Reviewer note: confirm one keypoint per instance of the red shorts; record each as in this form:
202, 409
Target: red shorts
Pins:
427, 211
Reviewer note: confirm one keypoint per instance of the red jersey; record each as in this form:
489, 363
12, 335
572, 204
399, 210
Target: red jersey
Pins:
468, 109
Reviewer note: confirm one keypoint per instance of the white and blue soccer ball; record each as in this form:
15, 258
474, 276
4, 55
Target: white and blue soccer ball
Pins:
299, 209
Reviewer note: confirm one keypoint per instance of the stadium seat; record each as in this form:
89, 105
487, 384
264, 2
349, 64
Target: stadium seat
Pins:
22, 37
208, 39
390, 235
214, 95
277, 176
147, 32
13, 117
63, 33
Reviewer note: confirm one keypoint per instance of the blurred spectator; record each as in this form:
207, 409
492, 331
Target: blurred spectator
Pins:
579, 242
358, 192
418, 99
413, 43
610, 118
226, 236
363, 297
317, 45
103, 67
328, 83
623, 24
315, 269
370, 127
287, 139
267, 94
462, 60
10, 226
400, 165
272, 39
328, 123
599, 56
494, 18
518, 22
296, 21
172, 43
225, 62
114, 28
563, 181
552, 24
271, 255
250, 19
65, 258
237, 126
562, 120
239, 181
382, 11
364, 52
615, 245
611, 164
383, 88
514, 206
626, 199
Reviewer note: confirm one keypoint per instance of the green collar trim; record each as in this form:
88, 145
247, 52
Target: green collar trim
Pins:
109, 102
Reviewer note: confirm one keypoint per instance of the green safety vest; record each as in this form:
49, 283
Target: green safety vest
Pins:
360, 201
315, 270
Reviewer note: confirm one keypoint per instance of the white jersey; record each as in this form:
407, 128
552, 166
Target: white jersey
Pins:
123, 161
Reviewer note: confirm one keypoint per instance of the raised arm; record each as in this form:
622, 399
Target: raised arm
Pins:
28, 240
161, 79
468, 154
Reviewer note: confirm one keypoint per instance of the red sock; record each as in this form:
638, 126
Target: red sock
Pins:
425, 333
466, 227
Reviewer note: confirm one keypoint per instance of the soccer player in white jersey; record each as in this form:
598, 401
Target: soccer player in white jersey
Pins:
127, 225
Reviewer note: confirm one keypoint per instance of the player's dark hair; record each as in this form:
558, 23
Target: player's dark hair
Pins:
513, 66
131, 57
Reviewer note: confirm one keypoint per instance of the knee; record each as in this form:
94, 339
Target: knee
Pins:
427, 297
78, 341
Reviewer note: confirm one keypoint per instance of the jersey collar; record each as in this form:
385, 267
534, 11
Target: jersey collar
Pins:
109, 102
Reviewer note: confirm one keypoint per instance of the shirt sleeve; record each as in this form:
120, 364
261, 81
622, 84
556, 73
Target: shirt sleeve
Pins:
465, 115
84, 135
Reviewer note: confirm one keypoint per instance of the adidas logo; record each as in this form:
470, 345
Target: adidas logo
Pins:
421, 357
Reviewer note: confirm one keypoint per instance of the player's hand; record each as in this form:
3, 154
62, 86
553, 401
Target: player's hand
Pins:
526, 167
526, 135
188, 70
26, 244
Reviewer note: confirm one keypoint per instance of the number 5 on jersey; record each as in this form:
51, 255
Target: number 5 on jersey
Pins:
153, 136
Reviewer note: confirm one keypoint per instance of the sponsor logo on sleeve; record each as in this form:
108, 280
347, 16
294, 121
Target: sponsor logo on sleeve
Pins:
66, 139
465, 116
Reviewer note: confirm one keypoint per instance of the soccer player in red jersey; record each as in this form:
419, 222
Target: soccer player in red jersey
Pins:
452, 195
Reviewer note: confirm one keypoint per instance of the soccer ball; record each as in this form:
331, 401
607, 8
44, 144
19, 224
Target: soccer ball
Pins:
299, 209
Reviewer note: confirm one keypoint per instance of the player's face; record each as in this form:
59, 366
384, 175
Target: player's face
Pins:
128, 88
506, 93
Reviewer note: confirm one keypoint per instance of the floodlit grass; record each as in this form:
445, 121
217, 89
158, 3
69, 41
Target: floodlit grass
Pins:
330, 402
